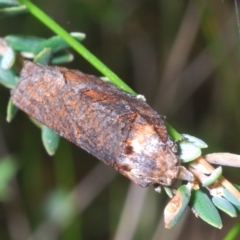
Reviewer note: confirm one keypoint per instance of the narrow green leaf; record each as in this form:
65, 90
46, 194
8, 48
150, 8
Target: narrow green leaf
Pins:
57, 43
13, 10
188, 151
8, 169
23, 43
105, 79
237, 207
8, 78
11, 111
168, 191
225, 206
8, 59
44, 57
231, 198
62, 57
197, 142
213, 177
50, 140
232, 234
204, 208
8, 3
177, 205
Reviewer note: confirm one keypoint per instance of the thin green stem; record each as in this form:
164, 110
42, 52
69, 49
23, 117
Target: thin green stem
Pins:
232, 234
172, 132
50, 23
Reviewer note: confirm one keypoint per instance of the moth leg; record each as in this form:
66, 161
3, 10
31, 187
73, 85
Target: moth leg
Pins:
157, 188
172, 144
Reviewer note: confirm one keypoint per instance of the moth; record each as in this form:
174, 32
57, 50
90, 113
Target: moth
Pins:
114, 126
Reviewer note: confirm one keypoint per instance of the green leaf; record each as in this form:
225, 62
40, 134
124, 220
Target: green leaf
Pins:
225, 206
8, 59
231, 198
172, 132
204, 208
177, 205
237, 207
213, 177
44, 57
57, 43
13, 10
105, 79
189, 151
62, 57
50, 140
232, 234
196, 141
168, 191
23, 43
8, 3
11, 111
8, 78
8, 169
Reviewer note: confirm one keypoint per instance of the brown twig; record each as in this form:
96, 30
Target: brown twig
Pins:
201, 177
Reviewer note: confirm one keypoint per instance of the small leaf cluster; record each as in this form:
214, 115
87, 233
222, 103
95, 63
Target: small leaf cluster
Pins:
193, 195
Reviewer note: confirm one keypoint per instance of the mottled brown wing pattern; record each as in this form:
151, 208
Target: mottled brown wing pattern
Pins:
112, 125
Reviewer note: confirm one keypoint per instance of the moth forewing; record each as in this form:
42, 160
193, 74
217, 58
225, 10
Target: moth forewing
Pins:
116, 127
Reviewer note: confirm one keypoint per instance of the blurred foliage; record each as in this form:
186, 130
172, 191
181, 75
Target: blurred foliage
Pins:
184, 57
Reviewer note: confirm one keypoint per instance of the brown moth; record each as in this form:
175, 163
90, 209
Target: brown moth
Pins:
114, 126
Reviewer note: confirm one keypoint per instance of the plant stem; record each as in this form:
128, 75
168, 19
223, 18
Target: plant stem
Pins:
232, 234
50, 23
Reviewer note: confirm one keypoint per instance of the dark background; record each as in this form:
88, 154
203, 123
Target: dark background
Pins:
184, 57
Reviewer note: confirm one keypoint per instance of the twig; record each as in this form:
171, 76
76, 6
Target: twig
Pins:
223, 181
